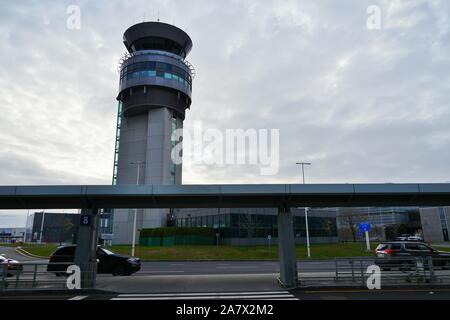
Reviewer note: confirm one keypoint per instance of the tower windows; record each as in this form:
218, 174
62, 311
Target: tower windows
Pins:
142, 70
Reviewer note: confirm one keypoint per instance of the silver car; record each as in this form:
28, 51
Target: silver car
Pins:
11, 266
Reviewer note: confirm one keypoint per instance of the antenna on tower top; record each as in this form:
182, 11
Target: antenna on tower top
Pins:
158, 15
174, 20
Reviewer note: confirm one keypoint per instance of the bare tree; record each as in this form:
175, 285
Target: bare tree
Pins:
349, 219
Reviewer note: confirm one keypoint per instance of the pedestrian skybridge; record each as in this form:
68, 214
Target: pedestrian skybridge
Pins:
226, 196
281, 196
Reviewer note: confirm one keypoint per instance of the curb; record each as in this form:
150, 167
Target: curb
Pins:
25, 253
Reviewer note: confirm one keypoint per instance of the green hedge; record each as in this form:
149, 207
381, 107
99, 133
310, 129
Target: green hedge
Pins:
177, 231
177, 236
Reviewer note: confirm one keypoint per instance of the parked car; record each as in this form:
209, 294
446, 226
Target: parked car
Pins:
108, 261
13, 266
405, 255
415, 238
402, 237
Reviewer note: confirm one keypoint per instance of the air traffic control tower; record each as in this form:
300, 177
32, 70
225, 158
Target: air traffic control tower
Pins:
154, 93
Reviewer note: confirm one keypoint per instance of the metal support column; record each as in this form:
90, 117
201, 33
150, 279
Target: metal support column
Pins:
286, 247
86, 251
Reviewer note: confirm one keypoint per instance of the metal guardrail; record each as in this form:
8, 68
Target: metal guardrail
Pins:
392, 272
35, 275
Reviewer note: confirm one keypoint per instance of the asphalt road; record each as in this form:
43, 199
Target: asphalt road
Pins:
203, 267
227, 267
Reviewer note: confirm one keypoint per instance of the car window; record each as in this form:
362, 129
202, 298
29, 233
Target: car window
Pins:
423, 247
410, 246
396, 246
66, 251
382, 246
106, 251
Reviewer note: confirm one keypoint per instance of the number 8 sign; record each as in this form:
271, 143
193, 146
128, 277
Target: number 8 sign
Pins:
85, 220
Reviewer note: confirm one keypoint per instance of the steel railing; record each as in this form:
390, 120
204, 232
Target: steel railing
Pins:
26, 276
392, 272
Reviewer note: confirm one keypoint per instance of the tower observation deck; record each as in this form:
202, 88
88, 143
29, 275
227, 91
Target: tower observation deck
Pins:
155, 90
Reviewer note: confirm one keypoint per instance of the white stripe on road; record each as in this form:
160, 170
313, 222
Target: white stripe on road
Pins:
256, 297
249, 295
161, 271
177, 264
201, 294
236, 267
78, 298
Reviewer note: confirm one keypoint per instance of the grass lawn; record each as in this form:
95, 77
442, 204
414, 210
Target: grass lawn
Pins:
44, 250
318, 251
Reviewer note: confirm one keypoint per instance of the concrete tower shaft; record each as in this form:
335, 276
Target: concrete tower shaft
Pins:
154, 92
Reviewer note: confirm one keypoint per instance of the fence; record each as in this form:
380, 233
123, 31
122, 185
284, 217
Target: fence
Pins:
29, 276
393, 272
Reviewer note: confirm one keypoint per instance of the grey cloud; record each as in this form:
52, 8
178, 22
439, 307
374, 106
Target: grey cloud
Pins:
363, 106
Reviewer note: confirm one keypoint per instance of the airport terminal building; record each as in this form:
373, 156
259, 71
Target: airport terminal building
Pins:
259, 225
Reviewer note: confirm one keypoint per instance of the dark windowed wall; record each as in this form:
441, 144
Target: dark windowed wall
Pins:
238, 225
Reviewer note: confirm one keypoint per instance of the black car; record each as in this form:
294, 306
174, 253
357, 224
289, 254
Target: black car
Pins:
108, 261
407, 254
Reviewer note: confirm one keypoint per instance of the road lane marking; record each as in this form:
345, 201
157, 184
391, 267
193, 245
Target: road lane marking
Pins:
162, 271
253, 295
177, 264
201, 294
235, 267
78, 298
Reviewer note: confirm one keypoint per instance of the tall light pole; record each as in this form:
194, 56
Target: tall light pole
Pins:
42, 226
308, 246
133, 244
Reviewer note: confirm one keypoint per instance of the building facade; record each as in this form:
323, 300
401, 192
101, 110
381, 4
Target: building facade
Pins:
258, 226
387, 222
435, 224
50, 227
154, 92
11, 235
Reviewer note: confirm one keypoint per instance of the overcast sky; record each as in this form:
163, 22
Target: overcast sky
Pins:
361, 105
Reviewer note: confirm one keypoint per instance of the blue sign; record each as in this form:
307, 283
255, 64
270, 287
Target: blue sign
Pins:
365, 226
85, 220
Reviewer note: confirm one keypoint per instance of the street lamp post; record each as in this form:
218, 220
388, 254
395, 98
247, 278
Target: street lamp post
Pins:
308, 246
42, 226
133, 244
